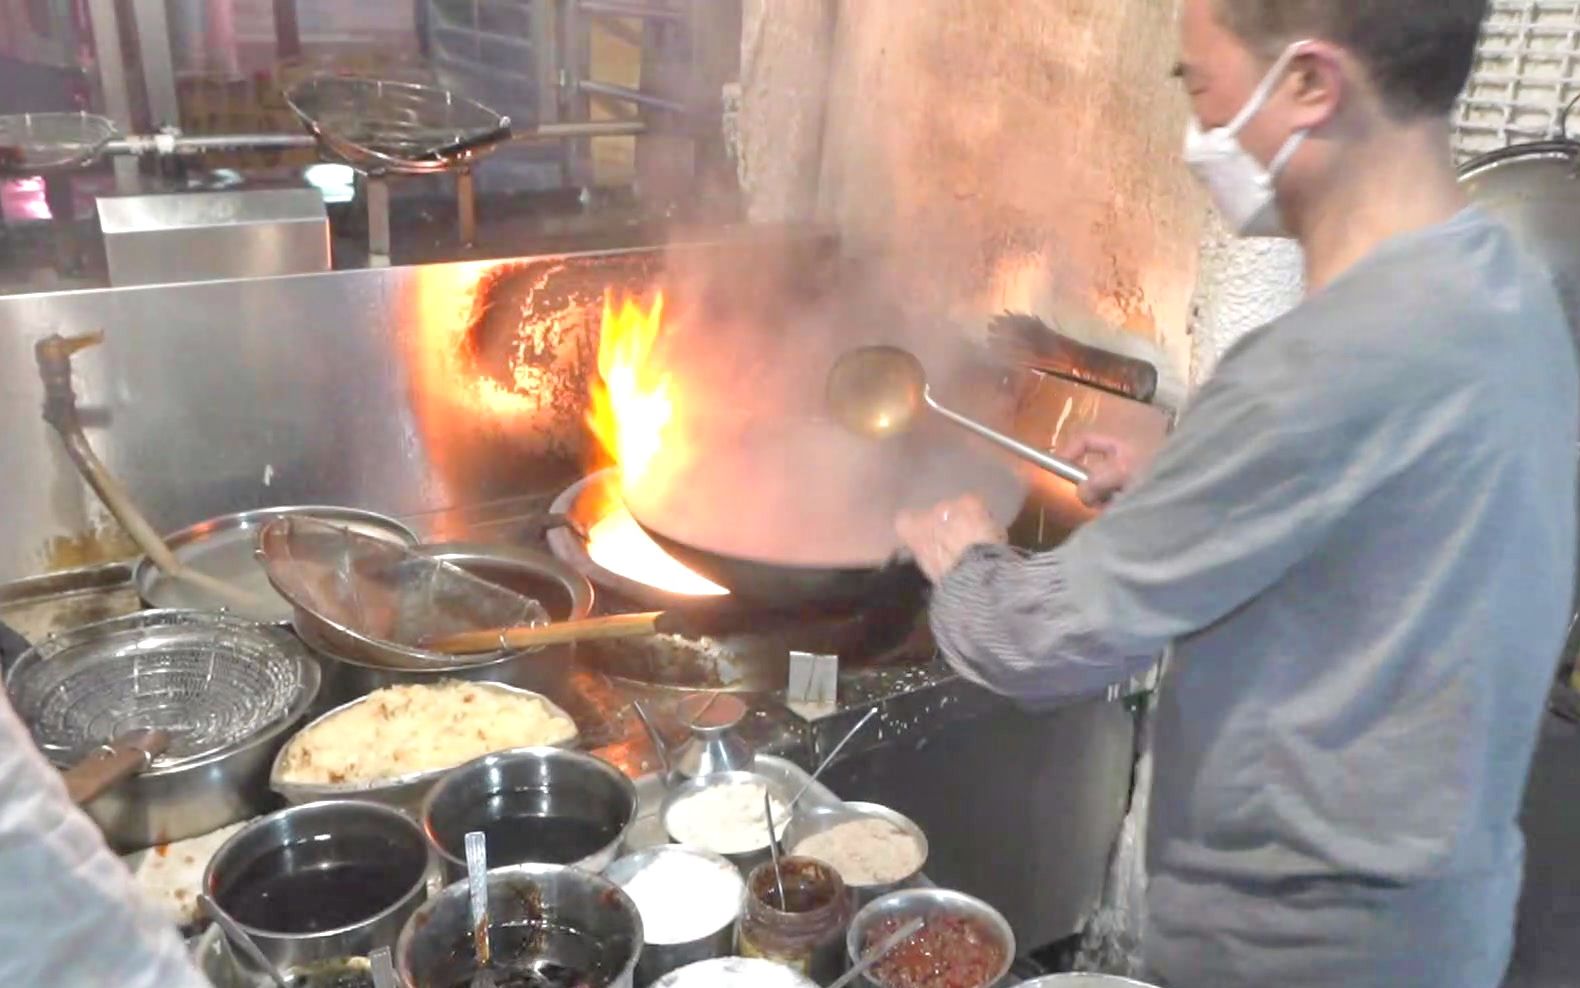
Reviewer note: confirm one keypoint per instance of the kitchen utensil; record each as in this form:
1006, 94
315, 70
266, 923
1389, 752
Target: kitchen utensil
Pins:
225, 548
532, 801
383, 967
714, 745
659, 959
35, 143
1081, 980
53, 354
241, 941
878, 953
752, 971
930, 904
1028, 341
744, 860
227, 691
878, 391
794, 513
323, 881
773, 848
541, 915
378, 125
369, 600
829, 758
660, 748
127, 755
405, 792
809, 821
477, 898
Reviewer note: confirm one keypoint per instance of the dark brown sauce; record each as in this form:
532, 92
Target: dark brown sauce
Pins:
808, 885
537, 955
288, 891
545, 839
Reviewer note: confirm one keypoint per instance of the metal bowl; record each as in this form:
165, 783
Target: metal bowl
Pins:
223, 547
404, 792
222, 965
1084, 981
214, 774
658, 959
929, 904
806, 823
741, 971
566, 911
528, 782
745, 860
302, 839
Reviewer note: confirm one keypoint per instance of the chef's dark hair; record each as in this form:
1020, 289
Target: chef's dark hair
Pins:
1419, 52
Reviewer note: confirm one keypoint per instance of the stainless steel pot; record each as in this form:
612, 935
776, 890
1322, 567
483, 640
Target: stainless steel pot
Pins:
336, 834
529, 782
552, 913
1084, 981
805, 823
658, 959
928, 904
563, 592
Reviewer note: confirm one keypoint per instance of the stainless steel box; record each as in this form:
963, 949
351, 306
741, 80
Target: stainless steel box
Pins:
204, 236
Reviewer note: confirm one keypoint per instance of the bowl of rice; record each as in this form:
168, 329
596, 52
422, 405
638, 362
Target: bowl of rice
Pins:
874, 849
393, 744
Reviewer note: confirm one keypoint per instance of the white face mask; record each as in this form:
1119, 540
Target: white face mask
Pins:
1240, 186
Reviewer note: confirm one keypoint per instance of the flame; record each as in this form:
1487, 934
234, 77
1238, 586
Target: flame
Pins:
631, 413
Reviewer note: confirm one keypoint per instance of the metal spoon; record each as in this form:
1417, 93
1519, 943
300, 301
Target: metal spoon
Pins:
240, 940
383, 968
879, 952
659, 747
773, 848
878, 391
477, 880
830, 757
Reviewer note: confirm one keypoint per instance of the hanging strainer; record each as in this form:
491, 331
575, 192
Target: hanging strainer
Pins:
378, 125
31, 143
375, 601
212, 681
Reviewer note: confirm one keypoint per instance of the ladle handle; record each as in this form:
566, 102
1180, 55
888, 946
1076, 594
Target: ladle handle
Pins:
1052, 464
556, 633
119, 760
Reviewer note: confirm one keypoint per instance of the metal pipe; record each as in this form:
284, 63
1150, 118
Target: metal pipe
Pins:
631, 96
566, 131
140, 144
614, 8
378, 220
466, 206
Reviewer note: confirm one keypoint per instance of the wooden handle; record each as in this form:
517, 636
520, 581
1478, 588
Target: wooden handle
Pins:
119, 760
563, 632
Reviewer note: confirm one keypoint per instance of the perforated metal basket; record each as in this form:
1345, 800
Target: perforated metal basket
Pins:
379, 125
31, 143
213, 681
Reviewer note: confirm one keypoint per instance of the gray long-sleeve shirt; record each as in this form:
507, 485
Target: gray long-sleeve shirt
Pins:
1360, 542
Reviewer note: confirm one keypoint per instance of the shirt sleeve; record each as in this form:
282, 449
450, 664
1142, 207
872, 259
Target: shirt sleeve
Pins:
1253, 479
70, 913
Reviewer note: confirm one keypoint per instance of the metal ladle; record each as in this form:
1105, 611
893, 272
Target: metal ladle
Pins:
878, 391
240, 940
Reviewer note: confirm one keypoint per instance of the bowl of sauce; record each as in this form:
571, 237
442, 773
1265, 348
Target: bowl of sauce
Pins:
964, 942
533, 806
323, 880
550, 926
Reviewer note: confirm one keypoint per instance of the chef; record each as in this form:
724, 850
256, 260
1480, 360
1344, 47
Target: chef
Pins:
70, 915
1359, 542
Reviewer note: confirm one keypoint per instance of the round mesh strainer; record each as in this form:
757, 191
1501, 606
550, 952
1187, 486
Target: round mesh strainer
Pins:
37, 142
211, 680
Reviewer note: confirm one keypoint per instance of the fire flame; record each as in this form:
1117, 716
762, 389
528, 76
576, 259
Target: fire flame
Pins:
631, 410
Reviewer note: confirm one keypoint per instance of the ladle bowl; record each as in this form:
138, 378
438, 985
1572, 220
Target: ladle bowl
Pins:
877, 391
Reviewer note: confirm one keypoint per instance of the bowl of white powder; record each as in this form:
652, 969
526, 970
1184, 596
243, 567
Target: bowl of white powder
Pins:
735, 972
723, 813
874, 849
688, 899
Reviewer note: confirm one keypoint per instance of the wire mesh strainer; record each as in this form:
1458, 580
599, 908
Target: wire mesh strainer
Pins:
38, 142
213, 681
378, 601
379, 125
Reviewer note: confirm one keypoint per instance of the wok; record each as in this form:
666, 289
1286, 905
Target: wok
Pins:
799, 512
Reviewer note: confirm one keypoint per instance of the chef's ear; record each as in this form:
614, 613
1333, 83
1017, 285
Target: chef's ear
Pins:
1320, 82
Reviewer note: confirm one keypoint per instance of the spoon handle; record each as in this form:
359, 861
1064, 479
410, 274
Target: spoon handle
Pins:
240, 940
1052, 464
879, 952
831, 755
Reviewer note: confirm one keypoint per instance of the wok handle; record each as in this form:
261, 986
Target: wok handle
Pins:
117, 761
559, 633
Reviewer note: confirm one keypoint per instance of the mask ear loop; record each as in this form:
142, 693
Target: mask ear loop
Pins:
1561, 127
1264, 89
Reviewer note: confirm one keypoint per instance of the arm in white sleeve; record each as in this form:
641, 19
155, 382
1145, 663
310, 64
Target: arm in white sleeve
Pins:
70, 915
1251, 481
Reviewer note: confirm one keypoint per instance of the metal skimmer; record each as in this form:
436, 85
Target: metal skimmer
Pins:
378, 125
213, 681
38, 142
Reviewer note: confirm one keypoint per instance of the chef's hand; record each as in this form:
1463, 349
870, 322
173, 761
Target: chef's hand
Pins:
1109, 464
940, 535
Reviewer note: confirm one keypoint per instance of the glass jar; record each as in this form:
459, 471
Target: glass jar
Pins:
805, 931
